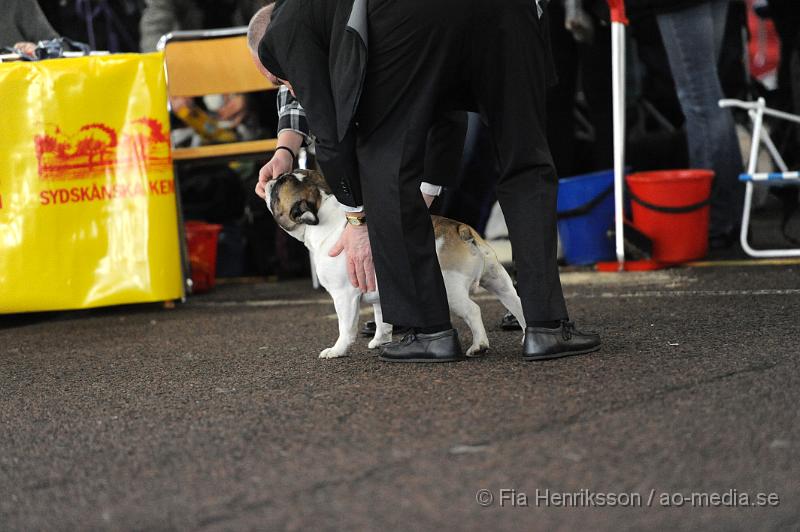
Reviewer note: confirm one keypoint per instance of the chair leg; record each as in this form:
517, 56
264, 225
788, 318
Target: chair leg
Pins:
758, 253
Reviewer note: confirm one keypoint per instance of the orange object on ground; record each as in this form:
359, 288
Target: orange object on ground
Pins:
672, 208
630, 266
201, 240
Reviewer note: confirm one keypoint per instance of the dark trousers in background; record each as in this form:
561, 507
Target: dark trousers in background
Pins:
445, 148
470, 197
786, 15
422, 56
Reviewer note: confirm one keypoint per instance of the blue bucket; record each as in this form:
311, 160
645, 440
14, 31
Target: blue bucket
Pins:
585, 214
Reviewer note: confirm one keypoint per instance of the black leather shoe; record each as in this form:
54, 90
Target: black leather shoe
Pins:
544, 344
416, 347
368, 331
510, 323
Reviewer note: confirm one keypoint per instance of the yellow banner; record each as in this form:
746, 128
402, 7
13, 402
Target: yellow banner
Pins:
88, 215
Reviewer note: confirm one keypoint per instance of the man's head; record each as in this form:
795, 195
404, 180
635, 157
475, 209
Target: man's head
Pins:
255, 32
258, 27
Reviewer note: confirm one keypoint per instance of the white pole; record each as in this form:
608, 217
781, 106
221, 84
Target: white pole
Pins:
618, 86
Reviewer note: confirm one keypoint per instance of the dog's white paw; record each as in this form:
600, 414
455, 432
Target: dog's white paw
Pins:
478, 350
332, 352
377, 342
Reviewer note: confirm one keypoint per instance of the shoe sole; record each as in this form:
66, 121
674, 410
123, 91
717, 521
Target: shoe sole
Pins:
560, 355
422, 360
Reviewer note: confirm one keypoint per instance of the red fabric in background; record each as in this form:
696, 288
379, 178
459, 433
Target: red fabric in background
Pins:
764, 49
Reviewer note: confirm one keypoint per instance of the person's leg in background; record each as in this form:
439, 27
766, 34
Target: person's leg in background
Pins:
692, 37
444, 149
561, 97
471, 197
595, 68
443, 152
786, 15
733, 68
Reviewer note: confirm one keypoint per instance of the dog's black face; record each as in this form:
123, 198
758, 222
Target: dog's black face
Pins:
294, 198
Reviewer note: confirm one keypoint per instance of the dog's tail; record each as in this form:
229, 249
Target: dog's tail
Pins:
481, 247
467, 233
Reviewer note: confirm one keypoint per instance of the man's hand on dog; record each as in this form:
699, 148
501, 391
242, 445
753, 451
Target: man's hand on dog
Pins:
280, 163
355, 243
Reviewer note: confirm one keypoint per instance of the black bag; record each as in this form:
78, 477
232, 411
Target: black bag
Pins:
55, 48
52, 49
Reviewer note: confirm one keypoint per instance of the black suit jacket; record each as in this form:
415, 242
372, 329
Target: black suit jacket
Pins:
320, 46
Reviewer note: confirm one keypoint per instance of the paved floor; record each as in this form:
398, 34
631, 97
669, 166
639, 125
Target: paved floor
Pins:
218, 416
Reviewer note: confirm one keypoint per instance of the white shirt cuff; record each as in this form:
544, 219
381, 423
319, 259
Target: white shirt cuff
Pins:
430, 190
353, 209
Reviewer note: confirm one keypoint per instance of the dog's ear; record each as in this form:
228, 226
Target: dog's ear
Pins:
304, 213
268, 196
319, 181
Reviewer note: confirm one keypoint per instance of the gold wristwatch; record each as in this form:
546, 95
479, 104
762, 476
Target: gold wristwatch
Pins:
353, 219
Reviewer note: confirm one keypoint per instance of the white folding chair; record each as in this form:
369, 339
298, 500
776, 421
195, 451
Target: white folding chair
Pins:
756, 110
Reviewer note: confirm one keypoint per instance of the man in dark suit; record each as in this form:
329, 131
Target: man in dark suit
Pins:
372, 78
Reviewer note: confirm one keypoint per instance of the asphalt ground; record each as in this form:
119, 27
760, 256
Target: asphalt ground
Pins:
218, 415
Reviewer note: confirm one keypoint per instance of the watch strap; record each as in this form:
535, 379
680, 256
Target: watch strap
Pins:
355, 220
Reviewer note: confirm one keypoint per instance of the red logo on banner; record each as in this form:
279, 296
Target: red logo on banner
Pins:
97, 150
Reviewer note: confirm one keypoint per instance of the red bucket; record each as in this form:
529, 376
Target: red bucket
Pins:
201, 240
672, 208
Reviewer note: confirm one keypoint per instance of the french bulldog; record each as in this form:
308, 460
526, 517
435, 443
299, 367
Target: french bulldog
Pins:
302, 204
